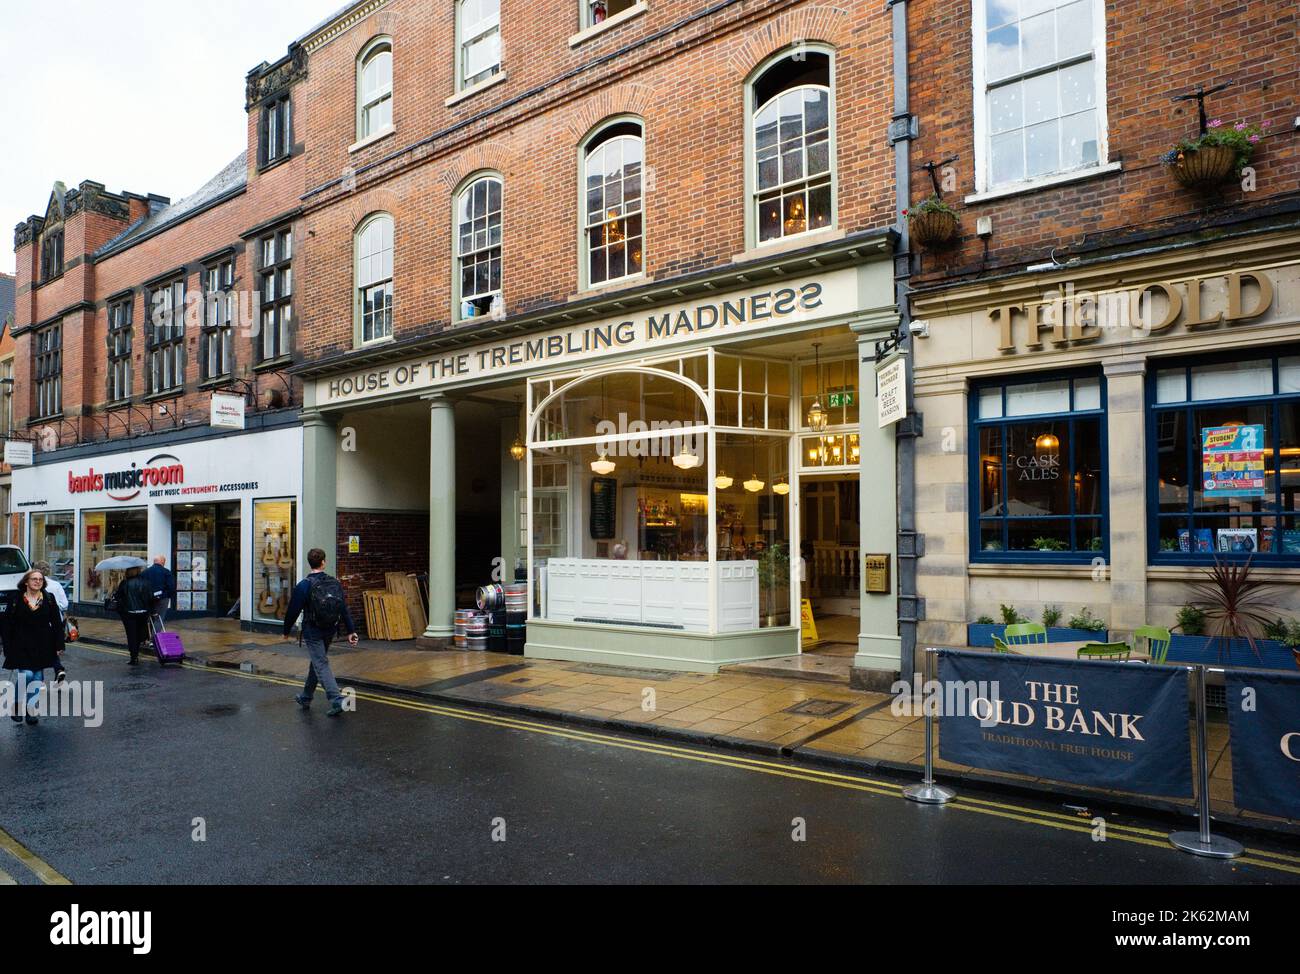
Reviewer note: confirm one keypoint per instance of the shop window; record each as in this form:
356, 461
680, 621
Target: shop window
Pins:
1038, 470
49, 371
374, 277
1225, 460
1040, 88
51, 254
478, 248
791, 179
194, 560
752, 393
478, 26
105, 534
165, 338
275, 285
274, 540
274, 138
218, 319
53, 539
119, 350
613, 235
375, 88
624, 508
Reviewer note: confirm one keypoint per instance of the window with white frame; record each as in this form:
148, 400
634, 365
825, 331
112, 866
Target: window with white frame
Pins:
165, 338
478, 24
374, 276
218, 319
275, 285
478, 242
49, 371
375, 88
119, 350
792, 145
1040, 88
598, 11
612, 228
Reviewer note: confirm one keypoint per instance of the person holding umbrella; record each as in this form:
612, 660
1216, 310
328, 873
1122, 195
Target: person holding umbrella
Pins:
33, 638
133, 601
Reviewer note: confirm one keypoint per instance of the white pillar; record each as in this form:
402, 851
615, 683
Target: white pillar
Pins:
442, 518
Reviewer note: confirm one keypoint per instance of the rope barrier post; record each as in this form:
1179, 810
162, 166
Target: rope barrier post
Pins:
1202, 843
927, 792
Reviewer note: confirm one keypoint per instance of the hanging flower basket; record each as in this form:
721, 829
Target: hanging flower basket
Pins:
933, 228
1205, 167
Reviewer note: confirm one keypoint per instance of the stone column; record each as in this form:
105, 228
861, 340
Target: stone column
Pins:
442, 519
876, 664
1127, 468
319, 516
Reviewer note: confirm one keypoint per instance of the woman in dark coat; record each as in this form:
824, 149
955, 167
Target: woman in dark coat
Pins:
33, 638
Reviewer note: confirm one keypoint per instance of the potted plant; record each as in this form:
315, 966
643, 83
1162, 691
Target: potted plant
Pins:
1217, 153
1049, 544
774, 585
933, 222
1236, 610
1051, 616
1086, 622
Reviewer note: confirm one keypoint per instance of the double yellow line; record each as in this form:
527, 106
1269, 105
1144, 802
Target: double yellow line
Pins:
886, 789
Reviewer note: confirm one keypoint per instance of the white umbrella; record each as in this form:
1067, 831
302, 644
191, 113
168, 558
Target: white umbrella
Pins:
120, 563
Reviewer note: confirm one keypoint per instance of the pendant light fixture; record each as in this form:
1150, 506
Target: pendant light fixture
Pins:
753, 484
722, 481
781, 487
685, 459
602, 465
817, 417
1047, 442
517, 449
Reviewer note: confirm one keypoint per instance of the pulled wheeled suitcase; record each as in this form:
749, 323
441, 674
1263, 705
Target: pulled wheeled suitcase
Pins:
166, 645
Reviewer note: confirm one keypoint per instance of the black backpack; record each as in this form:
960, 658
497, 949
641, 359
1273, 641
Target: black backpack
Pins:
325, 603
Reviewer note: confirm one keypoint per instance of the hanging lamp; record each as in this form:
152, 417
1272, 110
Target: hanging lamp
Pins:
602, 465
817, 417
517, 449
753, 484
722, 481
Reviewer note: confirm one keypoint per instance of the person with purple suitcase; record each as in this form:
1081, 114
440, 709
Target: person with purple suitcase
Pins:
320, 600
134, 598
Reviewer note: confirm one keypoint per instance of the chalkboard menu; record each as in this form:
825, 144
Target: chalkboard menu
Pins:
604, 504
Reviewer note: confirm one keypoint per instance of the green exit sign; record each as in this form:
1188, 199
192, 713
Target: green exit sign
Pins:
840, 399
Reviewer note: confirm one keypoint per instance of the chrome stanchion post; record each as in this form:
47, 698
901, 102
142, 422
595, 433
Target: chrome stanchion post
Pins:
927, 792
1202, 843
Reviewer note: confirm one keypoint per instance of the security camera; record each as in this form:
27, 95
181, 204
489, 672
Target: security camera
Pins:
919, 329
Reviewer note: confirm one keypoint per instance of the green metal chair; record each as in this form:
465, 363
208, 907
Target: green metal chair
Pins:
1025, 634
999, 646
1158, 641
1115, 651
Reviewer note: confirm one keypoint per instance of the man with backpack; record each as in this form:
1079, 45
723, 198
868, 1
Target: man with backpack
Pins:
320, 600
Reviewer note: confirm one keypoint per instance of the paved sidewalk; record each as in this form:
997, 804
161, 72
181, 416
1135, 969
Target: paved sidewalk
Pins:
818, 721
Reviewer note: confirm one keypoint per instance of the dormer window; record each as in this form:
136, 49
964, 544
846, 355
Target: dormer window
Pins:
51, 254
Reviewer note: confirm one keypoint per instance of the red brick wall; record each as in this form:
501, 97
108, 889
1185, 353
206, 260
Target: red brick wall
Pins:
267, 195
688, 86
1153, 52
390, 542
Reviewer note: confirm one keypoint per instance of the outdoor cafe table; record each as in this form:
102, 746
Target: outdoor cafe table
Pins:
1066, 650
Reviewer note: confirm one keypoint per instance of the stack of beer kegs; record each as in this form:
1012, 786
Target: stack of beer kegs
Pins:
516, 599
476, 632
491, 597
463, 617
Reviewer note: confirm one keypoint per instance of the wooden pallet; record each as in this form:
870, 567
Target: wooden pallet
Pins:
408, 589
387, 616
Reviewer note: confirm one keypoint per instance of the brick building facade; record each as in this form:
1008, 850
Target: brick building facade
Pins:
1098, 318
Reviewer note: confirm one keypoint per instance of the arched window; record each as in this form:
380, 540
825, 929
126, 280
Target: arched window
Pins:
374, 277
478, 247
375, 88
792, 180
612, 225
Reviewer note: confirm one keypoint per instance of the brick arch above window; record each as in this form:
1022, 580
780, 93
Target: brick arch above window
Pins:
371, 202
624, 99
482, 158
805, 25
386, 23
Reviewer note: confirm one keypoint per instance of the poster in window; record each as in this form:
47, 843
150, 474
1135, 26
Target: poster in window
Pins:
183, 583
604, 508
199, 540
199, 580
1241, 540
1232, 461
199, 561
182, 561
183, 601
183, 539
199, 601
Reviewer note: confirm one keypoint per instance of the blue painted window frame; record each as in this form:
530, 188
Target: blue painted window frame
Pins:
976, 424
1274, 402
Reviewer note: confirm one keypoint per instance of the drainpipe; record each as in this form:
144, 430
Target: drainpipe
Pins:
903, 129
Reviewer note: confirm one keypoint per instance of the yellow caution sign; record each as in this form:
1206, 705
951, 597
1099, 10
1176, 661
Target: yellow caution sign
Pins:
807, 625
